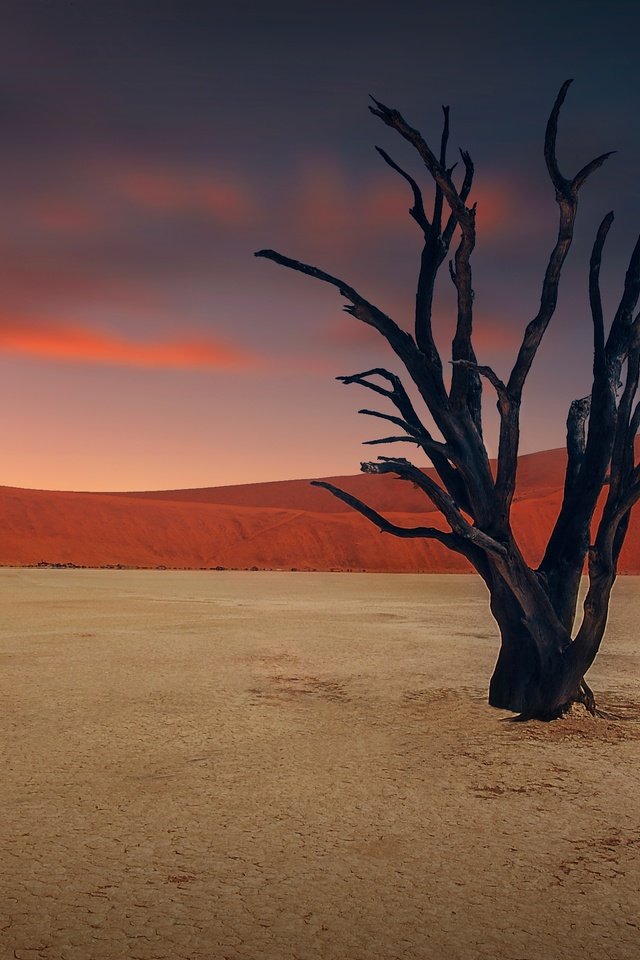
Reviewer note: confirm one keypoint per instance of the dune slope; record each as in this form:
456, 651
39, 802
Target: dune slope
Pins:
281, 525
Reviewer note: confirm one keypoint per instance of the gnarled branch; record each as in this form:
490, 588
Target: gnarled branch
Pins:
634, 424
619, 335
359, 307
588, 462
417, 211
464, 192
441, 455
386, 526
437, 203
489, 374
433, 254
415, 435
595, 298
399, 422
565, 187
380, 440
465, 384
465, 388
567, 199
394, 119
439, 497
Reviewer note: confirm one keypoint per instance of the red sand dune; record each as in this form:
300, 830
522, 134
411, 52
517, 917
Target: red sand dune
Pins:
281, 525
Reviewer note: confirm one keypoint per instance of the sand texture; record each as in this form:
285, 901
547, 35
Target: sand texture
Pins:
201, 766
281, 525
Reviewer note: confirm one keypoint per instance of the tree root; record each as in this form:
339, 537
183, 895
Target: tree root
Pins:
587, 698
584, 695
545, 716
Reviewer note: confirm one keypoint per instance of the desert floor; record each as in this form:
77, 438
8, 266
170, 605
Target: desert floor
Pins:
280, 765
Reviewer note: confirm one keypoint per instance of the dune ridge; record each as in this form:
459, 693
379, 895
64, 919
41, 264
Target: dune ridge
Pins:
278, 525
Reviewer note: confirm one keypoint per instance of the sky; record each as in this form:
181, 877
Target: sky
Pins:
149, 148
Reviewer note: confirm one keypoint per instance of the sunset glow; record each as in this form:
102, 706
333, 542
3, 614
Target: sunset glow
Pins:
141, 343
60, 342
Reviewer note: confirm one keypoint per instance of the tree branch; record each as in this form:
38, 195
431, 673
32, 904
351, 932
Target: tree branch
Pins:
397, 394
634, 424
465, 388
360, 308
417, 211
582, 176
489, 374
439, 497
450, 540
508, 410
603, 568
394, 119
576, 442
595, 298
551, 135
465, 384
465, 190
587, 463
622, 455
568, 188
359, 378
399, 422
567, 199
461, 426
437, 203
433, 254
440, 454
379, 440
431, 259
415, 435
619, 334
632, 494
426, 377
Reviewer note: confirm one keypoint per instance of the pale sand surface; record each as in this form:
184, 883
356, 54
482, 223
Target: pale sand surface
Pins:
277, 765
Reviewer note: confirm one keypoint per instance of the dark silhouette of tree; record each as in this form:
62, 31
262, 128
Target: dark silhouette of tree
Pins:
542, 660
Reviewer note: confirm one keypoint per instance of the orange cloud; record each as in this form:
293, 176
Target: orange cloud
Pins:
341, 213
499, 206
386, 202
73, 344
491, 335
228, 201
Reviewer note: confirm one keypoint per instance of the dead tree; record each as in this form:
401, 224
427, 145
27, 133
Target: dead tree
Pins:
543, 660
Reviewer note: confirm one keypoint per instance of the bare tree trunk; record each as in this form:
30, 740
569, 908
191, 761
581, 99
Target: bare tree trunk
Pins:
530, 675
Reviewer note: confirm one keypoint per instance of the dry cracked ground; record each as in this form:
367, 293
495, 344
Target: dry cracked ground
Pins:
238, 766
